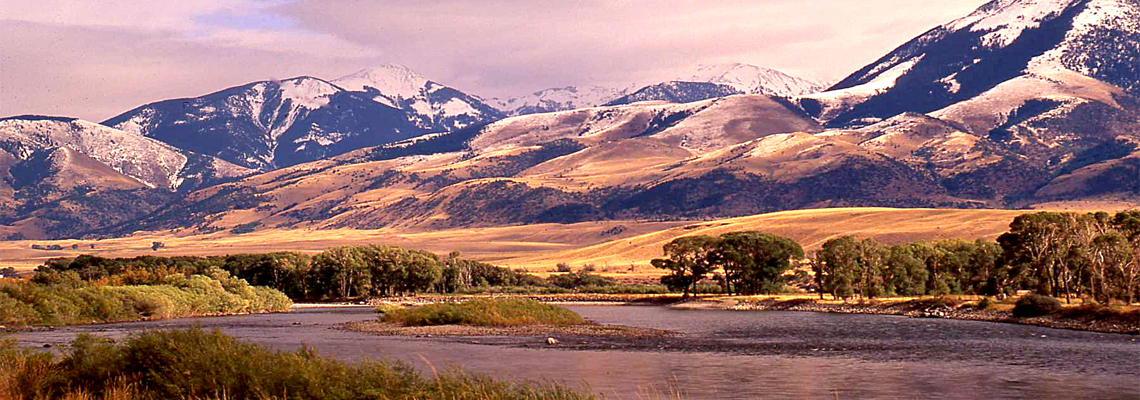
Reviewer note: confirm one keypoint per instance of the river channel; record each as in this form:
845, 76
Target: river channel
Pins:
732, 354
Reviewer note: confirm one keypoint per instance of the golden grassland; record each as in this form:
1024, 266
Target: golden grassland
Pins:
621, 248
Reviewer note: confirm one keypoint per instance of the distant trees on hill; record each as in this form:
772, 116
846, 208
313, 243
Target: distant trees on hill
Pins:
1054, 254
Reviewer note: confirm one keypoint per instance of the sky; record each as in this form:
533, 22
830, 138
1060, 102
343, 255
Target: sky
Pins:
97, 59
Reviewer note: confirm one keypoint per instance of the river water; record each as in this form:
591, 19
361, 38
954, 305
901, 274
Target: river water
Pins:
736, 355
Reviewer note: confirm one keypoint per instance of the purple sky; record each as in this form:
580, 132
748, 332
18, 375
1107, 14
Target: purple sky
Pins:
95, 59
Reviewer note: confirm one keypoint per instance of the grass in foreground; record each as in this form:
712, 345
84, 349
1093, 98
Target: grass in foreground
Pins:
195, 364
485, 312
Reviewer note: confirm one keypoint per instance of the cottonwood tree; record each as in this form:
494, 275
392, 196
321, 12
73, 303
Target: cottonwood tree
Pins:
754, 262
687, 261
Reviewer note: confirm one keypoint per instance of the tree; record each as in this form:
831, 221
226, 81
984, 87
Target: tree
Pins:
1128, 224
1035, 241
839, 259
688, 262
905, 274
342, 269
754, 262
869, 269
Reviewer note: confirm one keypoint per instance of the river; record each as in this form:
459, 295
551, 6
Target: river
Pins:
736, 355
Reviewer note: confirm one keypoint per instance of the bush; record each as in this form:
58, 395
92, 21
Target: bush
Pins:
485, 312
986, 304
195, 364
51, 300
563, 267
581, 279
1035, 305
626, 289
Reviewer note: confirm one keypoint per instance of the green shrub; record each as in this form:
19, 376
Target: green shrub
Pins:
626, 289
986, 304
485, 312
581, 279
1035, 305
78, 302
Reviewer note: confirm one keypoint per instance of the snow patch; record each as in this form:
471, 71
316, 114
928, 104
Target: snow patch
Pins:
308, 93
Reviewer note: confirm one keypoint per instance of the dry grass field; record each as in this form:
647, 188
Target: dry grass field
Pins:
621, 248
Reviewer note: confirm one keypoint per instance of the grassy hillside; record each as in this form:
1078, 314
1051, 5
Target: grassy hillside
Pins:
540, 247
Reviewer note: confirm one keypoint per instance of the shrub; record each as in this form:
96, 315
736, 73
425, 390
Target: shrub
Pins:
563, 267
581, 279
485, 312
1035, 305
71, 301
195, 364
986, 304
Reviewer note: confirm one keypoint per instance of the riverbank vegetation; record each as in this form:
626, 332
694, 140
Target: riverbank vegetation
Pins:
496, 312
63, 298
195, 364
359, 271
1093, 256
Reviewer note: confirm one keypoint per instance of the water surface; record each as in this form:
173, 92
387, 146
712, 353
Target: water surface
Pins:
738, 355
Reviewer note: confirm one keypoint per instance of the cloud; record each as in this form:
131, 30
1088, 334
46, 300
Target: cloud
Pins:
95, 59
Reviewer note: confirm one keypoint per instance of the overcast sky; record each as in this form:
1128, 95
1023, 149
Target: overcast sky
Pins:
96, 59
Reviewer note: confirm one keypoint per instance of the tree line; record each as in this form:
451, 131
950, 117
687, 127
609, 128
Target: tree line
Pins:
1055, 254
340, 272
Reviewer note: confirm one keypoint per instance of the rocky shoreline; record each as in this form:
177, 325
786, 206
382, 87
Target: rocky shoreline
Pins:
924, 308
538, 331
916, 308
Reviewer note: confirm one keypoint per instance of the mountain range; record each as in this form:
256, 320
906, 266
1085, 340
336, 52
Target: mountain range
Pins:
1019, 103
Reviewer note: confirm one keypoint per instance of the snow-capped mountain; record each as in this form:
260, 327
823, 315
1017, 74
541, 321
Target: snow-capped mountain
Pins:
436, 107
1000, 42
677, 92
559, 99
270, 124
152, 163
751, 79
741, 78
60, 177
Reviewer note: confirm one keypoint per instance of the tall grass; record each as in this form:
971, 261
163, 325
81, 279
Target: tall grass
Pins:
78, 302
195, 364
485, 312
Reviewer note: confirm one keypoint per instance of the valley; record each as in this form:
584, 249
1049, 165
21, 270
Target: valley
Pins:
610, 245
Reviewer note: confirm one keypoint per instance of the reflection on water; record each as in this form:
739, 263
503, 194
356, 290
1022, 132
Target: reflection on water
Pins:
744, 355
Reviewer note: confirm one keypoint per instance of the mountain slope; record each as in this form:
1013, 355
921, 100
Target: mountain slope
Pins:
63, 176
271, 124
1002, 40
148, 161
677, 92
435, 106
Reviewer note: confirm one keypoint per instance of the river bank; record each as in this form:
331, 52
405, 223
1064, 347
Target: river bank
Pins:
927, 308
948, 308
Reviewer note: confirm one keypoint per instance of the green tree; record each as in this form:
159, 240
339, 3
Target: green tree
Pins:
905, 274
687, 261
754, 262
342, 270
839, 259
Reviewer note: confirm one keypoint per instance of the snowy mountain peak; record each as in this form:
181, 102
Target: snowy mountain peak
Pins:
752, 79
1002, 41
1005, 20
392, 80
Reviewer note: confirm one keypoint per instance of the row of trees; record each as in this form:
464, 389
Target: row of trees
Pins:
336, 273
1055, 254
